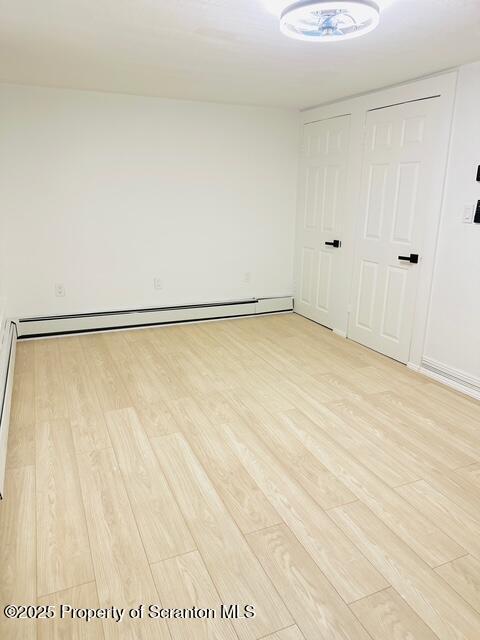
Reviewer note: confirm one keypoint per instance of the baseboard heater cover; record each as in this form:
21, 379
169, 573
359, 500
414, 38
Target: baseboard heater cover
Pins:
458, 380
131, 318
7, 365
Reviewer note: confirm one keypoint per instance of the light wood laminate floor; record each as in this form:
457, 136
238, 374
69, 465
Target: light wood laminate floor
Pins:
260, 461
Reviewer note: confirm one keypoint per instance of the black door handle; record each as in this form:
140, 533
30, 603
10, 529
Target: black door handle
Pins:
335, 243
413, 258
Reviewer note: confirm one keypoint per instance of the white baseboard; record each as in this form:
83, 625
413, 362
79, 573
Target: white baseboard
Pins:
2, 319
7, 365
103, 321
413, 366
454, 378
340, 333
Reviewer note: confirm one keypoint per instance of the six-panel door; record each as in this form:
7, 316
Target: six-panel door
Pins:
320, 267
396, 183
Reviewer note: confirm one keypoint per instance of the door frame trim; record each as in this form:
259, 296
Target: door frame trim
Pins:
443, 88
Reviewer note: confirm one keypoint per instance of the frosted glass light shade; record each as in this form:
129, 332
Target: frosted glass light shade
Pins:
329, 20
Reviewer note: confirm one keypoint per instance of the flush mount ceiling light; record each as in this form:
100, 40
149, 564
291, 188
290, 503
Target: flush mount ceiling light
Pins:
329, 20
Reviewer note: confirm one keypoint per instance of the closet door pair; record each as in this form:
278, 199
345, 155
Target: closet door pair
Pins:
397, 177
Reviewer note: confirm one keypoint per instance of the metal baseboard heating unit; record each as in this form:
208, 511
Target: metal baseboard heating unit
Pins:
458, 380
132, 318
7, 365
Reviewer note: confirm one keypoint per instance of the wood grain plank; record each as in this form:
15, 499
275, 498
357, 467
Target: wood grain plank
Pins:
81, 597
340, 561
292, 633
319, 611
422, 433
112, 393
63, 550
445, 417
243, 498
183, 582
432, 544
137, 376
407, 461
463, 575
235, 571
182, 369
457, 488
161, 525
454, 400
379, 460
164, 367
156, 419
86, 415
122, 572
471, 474
447, 515
24, 357
323, 486
446, 613
50, 401
18, 550
21, 433
253, 397
387, 615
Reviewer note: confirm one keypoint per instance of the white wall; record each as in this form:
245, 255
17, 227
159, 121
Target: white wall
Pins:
3, 302
453, 338
104, 192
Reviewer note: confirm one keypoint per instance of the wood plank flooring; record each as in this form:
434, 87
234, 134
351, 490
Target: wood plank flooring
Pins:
258, 461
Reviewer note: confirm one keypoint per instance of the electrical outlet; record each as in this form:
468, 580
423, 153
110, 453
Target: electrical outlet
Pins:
247, 277
157, 284
468, 211
60, 290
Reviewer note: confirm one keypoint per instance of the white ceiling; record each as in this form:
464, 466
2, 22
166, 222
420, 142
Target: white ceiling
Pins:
225, 50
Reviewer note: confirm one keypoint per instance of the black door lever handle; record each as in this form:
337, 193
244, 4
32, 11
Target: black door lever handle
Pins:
335, 243
413, 258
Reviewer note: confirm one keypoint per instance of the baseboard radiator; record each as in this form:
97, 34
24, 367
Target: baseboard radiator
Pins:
458, 380
131, 318
7, 365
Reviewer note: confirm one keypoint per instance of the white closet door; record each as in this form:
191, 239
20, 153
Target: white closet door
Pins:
397, 179
320, 264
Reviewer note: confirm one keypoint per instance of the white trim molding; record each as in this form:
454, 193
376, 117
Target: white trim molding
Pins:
458, 380
7, 366
3, 319
136, 318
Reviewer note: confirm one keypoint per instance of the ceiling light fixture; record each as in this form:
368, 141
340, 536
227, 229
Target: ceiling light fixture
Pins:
329, 20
